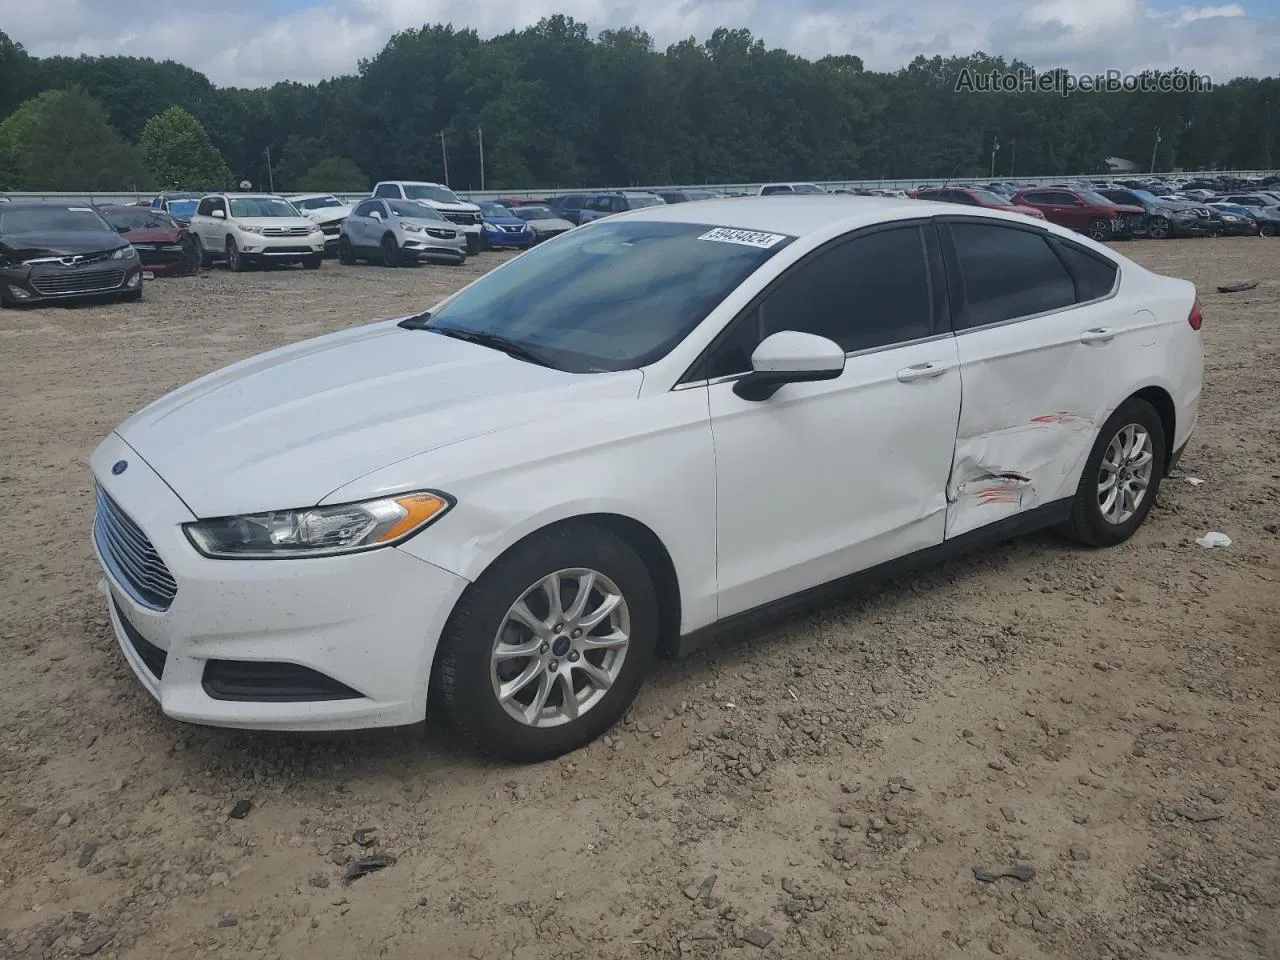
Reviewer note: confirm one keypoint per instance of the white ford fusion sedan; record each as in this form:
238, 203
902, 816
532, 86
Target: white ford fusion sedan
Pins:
645, 428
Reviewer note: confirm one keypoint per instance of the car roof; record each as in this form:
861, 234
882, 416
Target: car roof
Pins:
47, 205
794, 215
308, 196
415, 183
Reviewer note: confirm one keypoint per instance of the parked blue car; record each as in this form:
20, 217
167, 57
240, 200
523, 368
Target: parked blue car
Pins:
502, 228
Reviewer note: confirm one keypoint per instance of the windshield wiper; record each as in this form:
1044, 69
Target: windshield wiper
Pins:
493, 340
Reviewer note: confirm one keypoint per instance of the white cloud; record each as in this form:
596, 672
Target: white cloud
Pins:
243, 44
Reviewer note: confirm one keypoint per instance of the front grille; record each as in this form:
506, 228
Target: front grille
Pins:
443, 234
286, 231
463, 218
286, 251
130, 556
152, 656
511, 229
79, 281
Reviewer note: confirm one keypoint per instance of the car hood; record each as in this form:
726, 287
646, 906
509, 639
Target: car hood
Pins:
505, 221
550, 223
287, 428
1127, 209
284, 222
452, 207
1024, 209
153, 235
60, 243
328, 214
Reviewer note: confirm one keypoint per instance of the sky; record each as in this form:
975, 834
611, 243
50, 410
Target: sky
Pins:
252, 43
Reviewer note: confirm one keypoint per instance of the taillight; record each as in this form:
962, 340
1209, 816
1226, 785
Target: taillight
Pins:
1195, 318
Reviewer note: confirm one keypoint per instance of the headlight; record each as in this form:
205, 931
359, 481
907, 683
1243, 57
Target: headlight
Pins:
411, 227
318, 531
244, 229
125, 253
1231, 218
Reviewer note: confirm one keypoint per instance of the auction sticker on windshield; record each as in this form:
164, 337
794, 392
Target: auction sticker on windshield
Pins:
749, 238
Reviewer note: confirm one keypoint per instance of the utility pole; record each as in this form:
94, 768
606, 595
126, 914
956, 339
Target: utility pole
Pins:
271, 181
444, 155
480, 135
995, 148
1154, 149
1013, 155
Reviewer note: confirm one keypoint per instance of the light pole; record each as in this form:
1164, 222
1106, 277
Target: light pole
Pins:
995, 148
444, 155
1154, 149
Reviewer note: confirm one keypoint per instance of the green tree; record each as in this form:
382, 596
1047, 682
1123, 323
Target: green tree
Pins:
333, 174
61, 140
178, 152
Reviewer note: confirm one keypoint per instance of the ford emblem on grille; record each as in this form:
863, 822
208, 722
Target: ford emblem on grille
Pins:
119, 467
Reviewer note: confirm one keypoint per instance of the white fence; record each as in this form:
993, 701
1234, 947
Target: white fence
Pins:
109, 197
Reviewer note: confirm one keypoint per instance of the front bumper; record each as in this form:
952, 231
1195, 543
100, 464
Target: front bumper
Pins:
283, 249
427, 247
163, 258
43, 282
499, 239
365, 624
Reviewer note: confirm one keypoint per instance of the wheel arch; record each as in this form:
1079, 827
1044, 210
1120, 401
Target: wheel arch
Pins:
1162, 401
641, 538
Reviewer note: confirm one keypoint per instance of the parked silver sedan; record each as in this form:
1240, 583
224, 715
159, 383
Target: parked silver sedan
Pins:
395, 232
542, 220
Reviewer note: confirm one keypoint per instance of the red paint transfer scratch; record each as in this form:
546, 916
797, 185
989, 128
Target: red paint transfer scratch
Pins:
1062, 419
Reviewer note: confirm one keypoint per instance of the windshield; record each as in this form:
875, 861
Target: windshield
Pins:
1146, 196
413, 210
495, 210
430, 191
251, 207
807, 188
991, 198
40, 219
1097, 198
142, 219
534, 211
616, 296
183, 208
638, 200
317, 203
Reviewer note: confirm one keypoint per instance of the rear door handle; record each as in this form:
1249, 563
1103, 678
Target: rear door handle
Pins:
923, 371
1098, 335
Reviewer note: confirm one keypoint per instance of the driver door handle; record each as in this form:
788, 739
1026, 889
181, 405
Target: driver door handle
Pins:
923, 371
1098, 335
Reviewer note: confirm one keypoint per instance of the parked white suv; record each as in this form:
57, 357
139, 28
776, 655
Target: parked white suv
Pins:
246, 229
326, 210
452, 207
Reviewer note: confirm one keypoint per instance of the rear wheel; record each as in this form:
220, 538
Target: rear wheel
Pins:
548, 648
1099, 230
1121, 477
390, 252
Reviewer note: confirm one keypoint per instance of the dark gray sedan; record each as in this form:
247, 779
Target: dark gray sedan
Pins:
542, 220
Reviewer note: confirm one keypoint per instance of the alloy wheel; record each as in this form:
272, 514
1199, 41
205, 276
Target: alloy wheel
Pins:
560, 647
1124, 475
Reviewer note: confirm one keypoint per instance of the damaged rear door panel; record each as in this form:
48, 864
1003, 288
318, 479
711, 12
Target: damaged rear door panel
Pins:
1044, 343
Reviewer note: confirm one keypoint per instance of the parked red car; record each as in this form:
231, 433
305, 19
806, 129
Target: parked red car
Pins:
1085, 212
975, 197
163, 244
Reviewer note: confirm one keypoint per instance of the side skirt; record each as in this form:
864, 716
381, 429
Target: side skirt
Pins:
1041, 518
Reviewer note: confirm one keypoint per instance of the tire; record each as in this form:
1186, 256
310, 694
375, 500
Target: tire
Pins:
311, 263
235, 259
346, 256
482, 245
467, 676
1267, 230
1099, 230
192, 254
1088, 523
390, 252
474, 242
201, 255
133, 296
1160, 228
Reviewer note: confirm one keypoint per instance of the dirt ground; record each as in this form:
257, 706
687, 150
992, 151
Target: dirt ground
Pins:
824, 787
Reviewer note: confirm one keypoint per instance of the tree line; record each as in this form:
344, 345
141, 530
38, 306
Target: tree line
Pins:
558, 108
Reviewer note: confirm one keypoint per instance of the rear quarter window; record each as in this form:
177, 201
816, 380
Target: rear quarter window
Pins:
1094, 276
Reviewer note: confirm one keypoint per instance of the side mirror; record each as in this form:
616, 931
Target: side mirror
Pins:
122, 229
219, 214
789, 357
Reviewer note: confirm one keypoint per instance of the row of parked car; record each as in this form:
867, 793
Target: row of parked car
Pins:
57, 250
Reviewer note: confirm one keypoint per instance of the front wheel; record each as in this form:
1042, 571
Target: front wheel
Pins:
1160, 228
311, 263
390, 252
1121, 477
548, 648
235, 259
1267, 229
346, 256
1099, 230
133, 296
